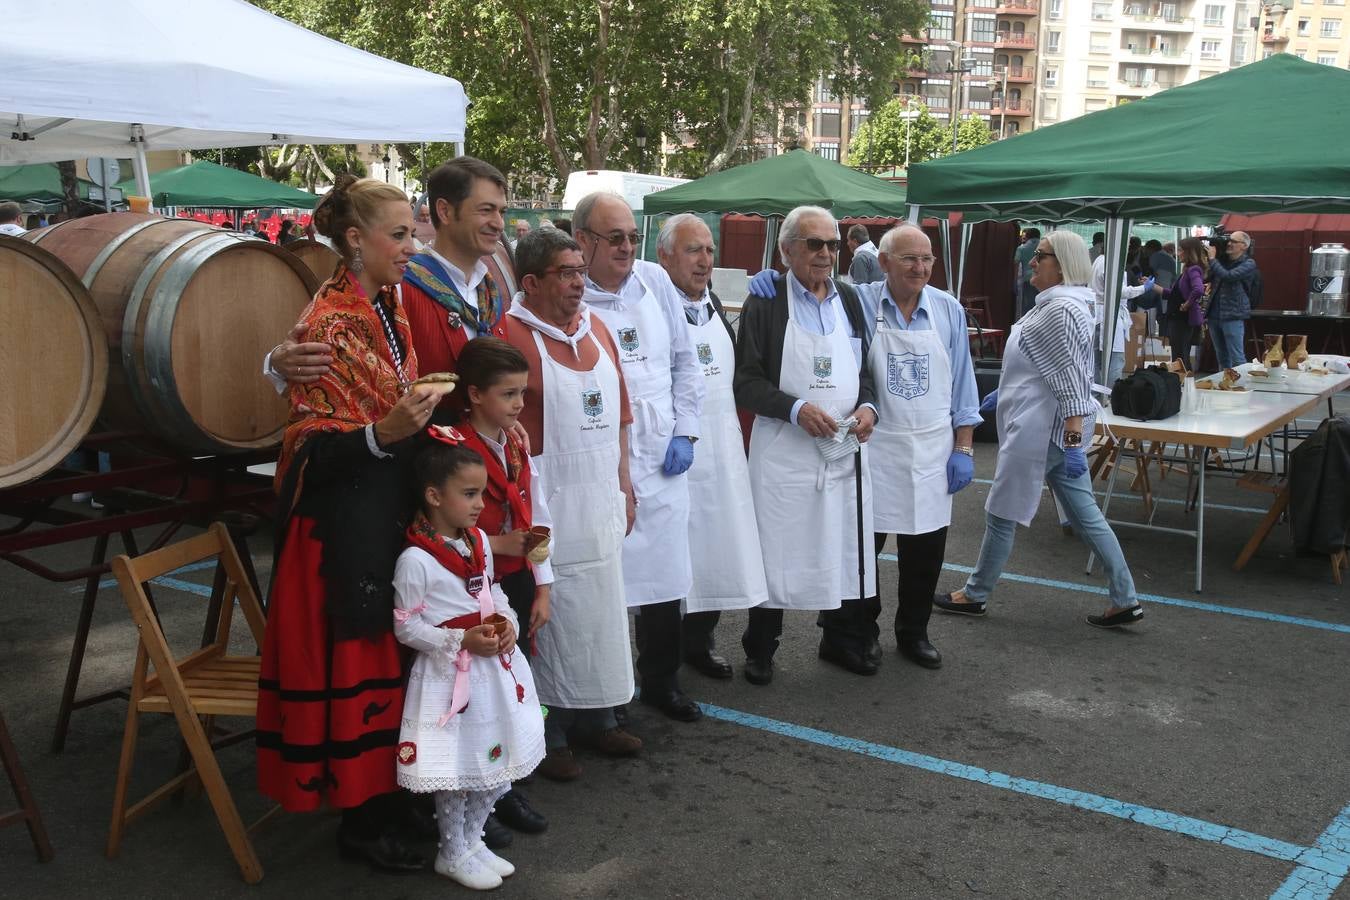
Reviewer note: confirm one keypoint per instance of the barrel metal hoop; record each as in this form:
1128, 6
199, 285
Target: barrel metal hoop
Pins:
158, 348
103, 255
48, 230
133, 313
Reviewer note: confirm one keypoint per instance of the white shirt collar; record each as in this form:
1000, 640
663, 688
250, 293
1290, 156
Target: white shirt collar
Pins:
468, 284
804, 294
520, 311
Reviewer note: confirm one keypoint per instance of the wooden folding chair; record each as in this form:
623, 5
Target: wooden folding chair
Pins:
206, 683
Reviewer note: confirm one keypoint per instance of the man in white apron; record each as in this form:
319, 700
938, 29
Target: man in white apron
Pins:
577, 420
799, 368
728, 568
643, 311
929, 407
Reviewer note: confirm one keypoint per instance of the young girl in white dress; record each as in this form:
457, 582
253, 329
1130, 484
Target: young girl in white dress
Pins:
471, 719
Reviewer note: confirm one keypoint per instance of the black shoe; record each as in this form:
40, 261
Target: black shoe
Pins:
921, 652
674, 703
758, 671
945, 603
1127, 616
709, 664
515, 812
385, 852
496, 835
621, 715
851, 660
874, 653
419, 822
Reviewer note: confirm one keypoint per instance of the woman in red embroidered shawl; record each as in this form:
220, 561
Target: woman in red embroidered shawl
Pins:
330, 695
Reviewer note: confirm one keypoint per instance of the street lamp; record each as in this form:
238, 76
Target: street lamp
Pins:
640, 134
385, 160
1003, 105
957, 66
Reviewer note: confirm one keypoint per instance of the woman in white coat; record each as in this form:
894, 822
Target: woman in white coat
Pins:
1045, 414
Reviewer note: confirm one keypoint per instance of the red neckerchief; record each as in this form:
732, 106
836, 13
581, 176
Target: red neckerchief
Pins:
421, 533
505, 480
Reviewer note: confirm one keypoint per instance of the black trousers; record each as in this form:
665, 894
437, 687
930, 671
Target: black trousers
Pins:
698, 631
760, 640
519, 590
920, 558
657, 630
1182, 336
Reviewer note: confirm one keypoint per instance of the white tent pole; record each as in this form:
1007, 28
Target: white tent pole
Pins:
945, 236
770, 240
913, 214
459, 148
1117, 241
139, 164
966, 231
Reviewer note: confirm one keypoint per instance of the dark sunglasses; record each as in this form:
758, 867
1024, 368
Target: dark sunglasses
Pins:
1042, 254
616, 238
815, 244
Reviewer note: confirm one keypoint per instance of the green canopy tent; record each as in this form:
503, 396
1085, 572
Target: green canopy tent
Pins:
38, 186
773, 187
205, 184
1262, 138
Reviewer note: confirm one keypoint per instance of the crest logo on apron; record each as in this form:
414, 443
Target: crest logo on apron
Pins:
453, 319
628, 338
704, 354
592, 403
907, 374
823, 366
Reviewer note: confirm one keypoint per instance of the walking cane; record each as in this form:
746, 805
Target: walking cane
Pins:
857, 489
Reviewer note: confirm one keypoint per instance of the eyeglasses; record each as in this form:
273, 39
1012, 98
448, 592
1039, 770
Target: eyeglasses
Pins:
815, 244
915, 262
1039, 255
616, 238
569, 273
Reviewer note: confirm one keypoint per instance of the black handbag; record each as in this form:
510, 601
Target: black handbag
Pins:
1152, 393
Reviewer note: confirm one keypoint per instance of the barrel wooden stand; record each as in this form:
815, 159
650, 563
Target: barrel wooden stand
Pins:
28, 809
168, 490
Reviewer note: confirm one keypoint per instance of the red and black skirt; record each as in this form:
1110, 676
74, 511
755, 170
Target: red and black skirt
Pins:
328, 710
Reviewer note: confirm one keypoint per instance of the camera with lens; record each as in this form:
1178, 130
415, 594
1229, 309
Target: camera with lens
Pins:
1218, 239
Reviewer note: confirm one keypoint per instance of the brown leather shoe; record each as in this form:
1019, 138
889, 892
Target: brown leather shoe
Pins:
614, 742
559, 765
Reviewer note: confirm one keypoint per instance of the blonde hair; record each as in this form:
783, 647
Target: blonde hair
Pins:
353, 202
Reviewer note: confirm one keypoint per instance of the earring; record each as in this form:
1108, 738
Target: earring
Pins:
357, 265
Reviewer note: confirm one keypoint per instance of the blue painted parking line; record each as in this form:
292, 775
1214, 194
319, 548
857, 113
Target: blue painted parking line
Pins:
164, 579
1081, 588
1316, 883
1326, 860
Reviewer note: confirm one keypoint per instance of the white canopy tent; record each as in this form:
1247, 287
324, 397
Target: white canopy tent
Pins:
93, 78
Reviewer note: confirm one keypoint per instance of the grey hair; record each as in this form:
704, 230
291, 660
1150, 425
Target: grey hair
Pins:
859, 233
889, 239
1072, 256
538, 249
581, 216
1245, 237
791, 228
665, 242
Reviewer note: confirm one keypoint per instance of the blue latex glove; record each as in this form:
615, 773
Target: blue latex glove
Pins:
1148, 285
679, 455
762, 285
988, 403
960, 470
1075, 461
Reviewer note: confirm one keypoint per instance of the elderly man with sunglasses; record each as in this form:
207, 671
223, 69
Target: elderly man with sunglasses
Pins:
919, 358
800, 367
645, 312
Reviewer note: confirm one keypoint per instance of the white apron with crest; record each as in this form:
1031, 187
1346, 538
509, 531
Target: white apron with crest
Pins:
582, 657
656, 553
723, 536
913, 438
806, 508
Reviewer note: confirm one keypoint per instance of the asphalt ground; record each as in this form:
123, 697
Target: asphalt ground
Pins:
1201, 754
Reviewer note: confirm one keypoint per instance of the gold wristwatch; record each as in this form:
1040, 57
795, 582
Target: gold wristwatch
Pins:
1073, 438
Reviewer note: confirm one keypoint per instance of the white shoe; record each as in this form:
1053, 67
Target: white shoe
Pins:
494, 862
469, 871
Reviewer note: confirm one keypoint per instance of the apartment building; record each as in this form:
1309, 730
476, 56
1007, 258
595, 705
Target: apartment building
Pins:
1314, 30
1101, 53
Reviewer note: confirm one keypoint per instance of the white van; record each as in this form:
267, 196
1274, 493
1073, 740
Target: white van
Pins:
632, 186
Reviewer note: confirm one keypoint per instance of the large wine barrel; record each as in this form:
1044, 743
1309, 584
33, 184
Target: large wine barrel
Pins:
321, 259
53, 361
190, 310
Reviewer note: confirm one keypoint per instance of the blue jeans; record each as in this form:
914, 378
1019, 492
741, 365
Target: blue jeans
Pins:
1075, 496
561, 720
1227, 335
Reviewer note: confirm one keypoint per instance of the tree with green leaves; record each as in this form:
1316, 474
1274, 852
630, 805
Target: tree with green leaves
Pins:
881, 140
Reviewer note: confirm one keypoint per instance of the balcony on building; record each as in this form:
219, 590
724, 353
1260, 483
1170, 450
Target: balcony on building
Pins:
1158, 16
1018, 7
1013, 40
1273, 35
1013, 106
1021, 74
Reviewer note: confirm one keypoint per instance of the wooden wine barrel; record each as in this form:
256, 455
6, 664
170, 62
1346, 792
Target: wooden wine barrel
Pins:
53, 361
321, 258
190, 310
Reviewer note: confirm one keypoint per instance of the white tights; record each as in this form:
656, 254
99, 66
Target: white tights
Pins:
461, 815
